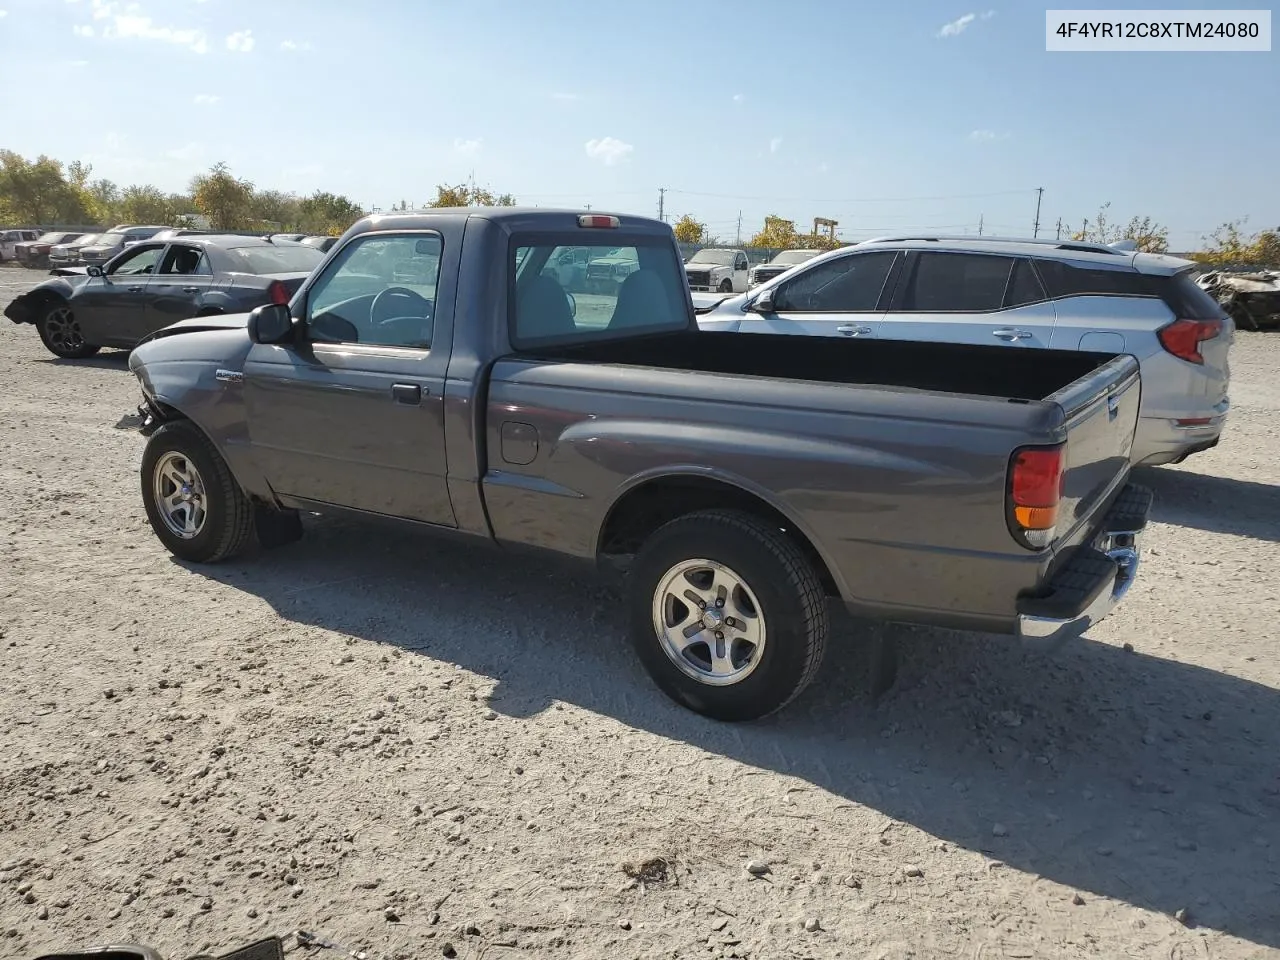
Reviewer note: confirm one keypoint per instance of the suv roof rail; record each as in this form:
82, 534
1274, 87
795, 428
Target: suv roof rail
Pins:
1080, 246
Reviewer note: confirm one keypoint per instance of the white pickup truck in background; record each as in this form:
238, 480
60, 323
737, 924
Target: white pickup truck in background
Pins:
721, 270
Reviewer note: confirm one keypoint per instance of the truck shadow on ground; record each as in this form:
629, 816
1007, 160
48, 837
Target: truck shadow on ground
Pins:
1245, 508
1115, 773
107, 360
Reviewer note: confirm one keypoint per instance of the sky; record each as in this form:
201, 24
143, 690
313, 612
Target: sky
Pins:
891, 116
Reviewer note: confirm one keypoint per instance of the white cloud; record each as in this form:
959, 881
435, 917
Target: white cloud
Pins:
241, 41
986, 15
466, 148
292, 45
957, 26
985, 136
775, 144
206, 98
738, 98
4, 13
608, 150
130, 23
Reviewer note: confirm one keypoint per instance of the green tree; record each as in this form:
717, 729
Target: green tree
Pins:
147, 204
276, 206
224, 199
38, 191
1147, 235
689, 230
327, 213
465, 195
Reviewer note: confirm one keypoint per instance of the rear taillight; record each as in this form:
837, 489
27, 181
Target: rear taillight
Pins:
1035, 490
278, 293
1182, 338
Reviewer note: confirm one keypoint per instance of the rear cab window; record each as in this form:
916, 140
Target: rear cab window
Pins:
631, 285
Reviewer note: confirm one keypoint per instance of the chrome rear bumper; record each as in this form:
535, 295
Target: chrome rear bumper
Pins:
1094, 581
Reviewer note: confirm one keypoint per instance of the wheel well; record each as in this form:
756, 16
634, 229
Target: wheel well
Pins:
41, 299
644, 509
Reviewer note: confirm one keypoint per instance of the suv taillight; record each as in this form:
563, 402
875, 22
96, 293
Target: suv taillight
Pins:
278, 293
1035, 490
1182, 338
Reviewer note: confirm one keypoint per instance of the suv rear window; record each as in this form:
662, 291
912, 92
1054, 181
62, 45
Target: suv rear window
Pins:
947, 282
1067, 280
1185, 298
638, 287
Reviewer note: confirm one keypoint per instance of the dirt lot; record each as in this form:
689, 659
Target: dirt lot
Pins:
398, 743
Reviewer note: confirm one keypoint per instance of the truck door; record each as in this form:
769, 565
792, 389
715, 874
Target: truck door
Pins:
353, 414
741, 273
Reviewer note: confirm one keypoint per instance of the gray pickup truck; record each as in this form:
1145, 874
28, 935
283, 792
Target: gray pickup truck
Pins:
433, 370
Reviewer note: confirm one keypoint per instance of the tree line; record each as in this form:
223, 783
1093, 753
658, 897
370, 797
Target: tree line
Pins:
46, 191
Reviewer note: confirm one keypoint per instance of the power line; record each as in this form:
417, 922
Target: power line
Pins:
954, 196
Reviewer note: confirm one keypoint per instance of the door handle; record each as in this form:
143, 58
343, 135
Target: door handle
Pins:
406, 393
190, 289
849, 330
1006, 333
133, 289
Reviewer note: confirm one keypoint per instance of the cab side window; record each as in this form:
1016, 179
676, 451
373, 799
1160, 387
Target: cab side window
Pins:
138, 261
380, 289
185, 261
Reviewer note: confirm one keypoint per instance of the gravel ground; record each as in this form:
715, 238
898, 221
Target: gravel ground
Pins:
419, 749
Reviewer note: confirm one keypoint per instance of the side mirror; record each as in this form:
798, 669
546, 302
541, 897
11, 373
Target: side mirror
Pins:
763, 303
93, 270
270, 323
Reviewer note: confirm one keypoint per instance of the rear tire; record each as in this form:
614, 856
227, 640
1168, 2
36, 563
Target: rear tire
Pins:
60, 332
193, 502
748, 655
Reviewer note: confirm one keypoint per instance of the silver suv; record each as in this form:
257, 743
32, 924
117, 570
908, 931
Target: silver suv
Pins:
1020, 294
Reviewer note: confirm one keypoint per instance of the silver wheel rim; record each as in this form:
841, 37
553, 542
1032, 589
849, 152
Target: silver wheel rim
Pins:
62, 329
180, 495
709, 622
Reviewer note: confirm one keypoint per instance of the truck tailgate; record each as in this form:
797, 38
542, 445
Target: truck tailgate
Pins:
1101, 414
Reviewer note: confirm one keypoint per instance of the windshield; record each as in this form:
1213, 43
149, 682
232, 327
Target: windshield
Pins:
794, 256
52, 237
722, 258
85, 240
111, 238
269, 259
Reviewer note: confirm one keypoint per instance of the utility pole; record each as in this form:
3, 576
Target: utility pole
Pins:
1059, 237
662, 197
738, 241
1035, 230
979, 224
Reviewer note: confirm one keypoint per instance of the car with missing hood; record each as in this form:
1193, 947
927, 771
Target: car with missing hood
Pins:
155, 283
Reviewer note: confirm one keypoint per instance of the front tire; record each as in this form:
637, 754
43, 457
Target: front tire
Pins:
726, 286
727, 614
60, 332
193, 502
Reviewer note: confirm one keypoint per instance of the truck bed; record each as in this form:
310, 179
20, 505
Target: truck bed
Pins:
942, 367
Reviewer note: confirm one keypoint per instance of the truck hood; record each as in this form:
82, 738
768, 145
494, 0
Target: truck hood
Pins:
706, 266
219, 321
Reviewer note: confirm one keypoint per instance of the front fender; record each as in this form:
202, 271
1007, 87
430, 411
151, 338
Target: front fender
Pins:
25, 308
194, 377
